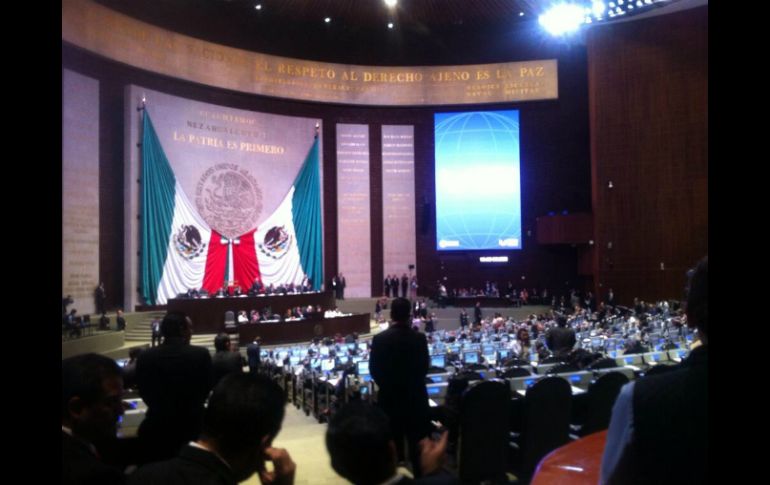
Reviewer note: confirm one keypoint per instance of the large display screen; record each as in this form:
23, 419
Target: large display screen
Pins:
478, 190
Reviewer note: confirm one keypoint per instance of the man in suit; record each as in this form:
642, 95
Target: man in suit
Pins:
252, 354
101, 298
463, 319
342, 284
477, 313
362, 449
120, 320
225, 361
399, 362
404, 285
659, 427
243, 416
155, 328
92, 391
386, 285
174, 380
561, 339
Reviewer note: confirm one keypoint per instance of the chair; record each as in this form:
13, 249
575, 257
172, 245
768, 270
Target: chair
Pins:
230, 326
553, 359
601, 396
516, 372
603, 363
514, 362
659, 369
483, 433
544, 424
562, 368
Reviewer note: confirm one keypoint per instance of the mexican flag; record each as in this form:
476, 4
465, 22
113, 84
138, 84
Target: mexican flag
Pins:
180, 251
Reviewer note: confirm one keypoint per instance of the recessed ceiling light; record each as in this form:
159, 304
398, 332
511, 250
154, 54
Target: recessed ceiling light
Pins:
521, 14
328, 19
390, 25
391, 3
258, 6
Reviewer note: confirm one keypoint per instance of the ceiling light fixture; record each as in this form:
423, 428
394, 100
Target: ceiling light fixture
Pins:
328, 19
258, 6
390, 25
391, 3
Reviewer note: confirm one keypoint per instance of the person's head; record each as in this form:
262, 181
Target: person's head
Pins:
697, 298
120, 312
360, 444
133, 354
92, 391
561, 320
73, 311
176, 325
243, 416
400, 310
222, 342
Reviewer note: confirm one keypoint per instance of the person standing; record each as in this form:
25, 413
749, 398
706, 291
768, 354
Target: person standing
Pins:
404, 285
342, 284
100, 295
155, 328
253, 356
463, 319
174, 380
477, 314
120, 320
399, 363
413, 288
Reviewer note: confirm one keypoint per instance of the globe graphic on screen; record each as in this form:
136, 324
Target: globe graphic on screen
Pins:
478, 202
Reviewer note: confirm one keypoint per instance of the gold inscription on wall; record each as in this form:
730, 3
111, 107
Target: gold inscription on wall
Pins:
108, 33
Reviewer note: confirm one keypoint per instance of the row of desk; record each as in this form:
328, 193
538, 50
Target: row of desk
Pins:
208, 314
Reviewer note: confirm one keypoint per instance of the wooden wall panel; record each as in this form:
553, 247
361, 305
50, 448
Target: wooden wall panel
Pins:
648, 94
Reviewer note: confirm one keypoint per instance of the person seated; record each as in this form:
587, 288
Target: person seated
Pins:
362, 450
237, 290
71, 323
270, 289
92, 391
221, 292
242, 317
256, 287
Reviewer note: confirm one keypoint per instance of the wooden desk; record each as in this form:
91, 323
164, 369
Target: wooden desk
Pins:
576, 463
302, 330
486, 301
208, 314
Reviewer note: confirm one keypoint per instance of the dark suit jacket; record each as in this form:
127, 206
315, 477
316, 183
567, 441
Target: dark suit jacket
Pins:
79, 466
192, 465
669, 443
399, 362
174, 380
252, 354
224, 363
560, 339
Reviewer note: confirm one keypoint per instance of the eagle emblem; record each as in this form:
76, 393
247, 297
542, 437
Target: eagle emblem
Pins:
188, 242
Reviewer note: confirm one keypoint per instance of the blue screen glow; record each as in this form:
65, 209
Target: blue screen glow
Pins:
478, 188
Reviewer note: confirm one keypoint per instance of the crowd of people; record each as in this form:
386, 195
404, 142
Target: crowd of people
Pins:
184, 440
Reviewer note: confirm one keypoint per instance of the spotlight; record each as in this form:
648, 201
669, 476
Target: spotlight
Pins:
391, 3
390, 25
562, 19
328, 19
258, 6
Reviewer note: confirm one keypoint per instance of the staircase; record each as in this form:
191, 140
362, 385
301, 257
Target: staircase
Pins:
138, 331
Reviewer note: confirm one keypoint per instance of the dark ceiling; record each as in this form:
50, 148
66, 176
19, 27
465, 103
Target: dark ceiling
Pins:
425, 31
